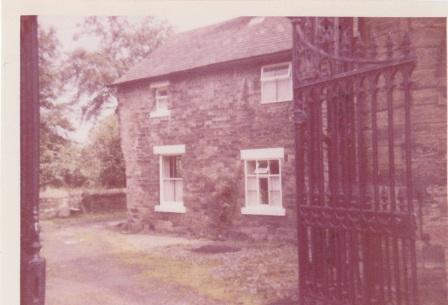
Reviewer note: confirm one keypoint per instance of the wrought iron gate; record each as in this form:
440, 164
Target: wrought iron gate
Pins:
356, 224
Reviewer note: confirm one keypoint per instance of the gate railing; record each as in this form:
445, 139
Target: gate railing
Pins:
354, 174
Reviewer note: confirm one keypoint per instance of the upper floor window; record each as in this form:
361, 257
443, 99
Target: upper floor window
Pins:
161, 98
276, 83
160, 95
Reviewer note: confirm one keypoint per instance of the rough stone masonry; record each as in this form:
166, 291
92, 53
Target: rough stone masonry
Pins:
216, 112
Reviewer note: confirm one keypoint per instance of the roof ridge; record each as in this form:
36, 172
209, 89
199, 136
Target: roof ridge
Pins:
214, 25
196, 31
227, 40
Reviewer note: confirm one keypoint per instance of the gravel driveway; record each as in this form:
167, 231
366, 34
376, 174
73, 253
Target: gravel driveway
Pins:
88, 263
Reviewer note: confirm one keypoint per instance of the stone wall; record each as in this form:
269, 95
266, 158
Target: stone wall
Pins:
215, 114
428, 37
65, 203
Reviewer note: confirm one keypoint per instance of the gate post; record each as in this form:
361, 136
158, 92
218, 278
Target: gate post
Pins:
299, 118
32, 266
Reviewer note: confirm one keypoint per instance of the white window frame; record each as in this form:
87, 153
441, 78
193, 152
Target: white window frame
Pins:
265, 154
159, 112
165, 151
270, 79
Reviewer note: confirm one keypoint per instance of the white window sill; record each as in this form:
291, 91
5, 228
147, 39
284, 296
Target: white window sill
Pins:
170, 207
263, 210
279, 101
159, 113
262, 153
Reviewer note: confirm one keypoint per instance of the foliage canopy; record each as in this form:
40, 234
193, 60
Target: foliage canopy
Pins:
80, 77
121, 44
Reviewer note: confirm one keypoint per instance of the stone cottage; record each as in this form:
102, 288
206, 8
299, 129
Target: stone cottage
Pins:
207, 130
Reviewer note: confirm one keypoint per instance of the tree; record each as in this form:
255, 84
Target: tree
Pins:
103, 158
54, 124
81, 77
121, 44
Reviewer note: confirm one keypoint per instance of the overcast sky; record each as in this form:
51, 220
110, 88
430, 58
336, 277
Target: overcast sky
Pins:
66, 25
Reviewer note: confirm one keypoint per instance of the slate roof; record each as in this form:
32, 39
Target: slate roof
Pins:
234, 39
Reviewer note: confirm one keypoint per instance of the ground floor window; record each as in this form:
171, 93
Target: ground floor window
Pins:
171, 178
263, 185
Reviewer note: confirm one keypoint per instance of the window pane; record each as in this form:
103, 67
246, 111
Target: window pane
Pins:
251, 183
262, 164
162, 103
275, 183
275, 71
269, 91
284, 89
172, 167
264, 194
250, 167
262, 167
168, 190
275, 198
262, 170
274, 167
179, 167
161, 92
269, 72
165, 167
251, 198
282, 70
178, 190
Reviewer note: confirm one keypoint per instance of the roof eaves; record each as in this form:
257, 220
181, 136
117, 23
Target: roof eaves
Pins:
268, 56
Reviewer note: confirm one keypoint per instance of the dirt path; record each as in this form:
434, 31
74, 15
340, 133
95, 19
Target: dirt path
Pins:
90, 265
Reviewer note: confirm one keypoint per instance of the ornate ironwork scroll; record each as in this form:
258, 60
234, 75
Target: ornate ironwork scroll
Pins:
356, 223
